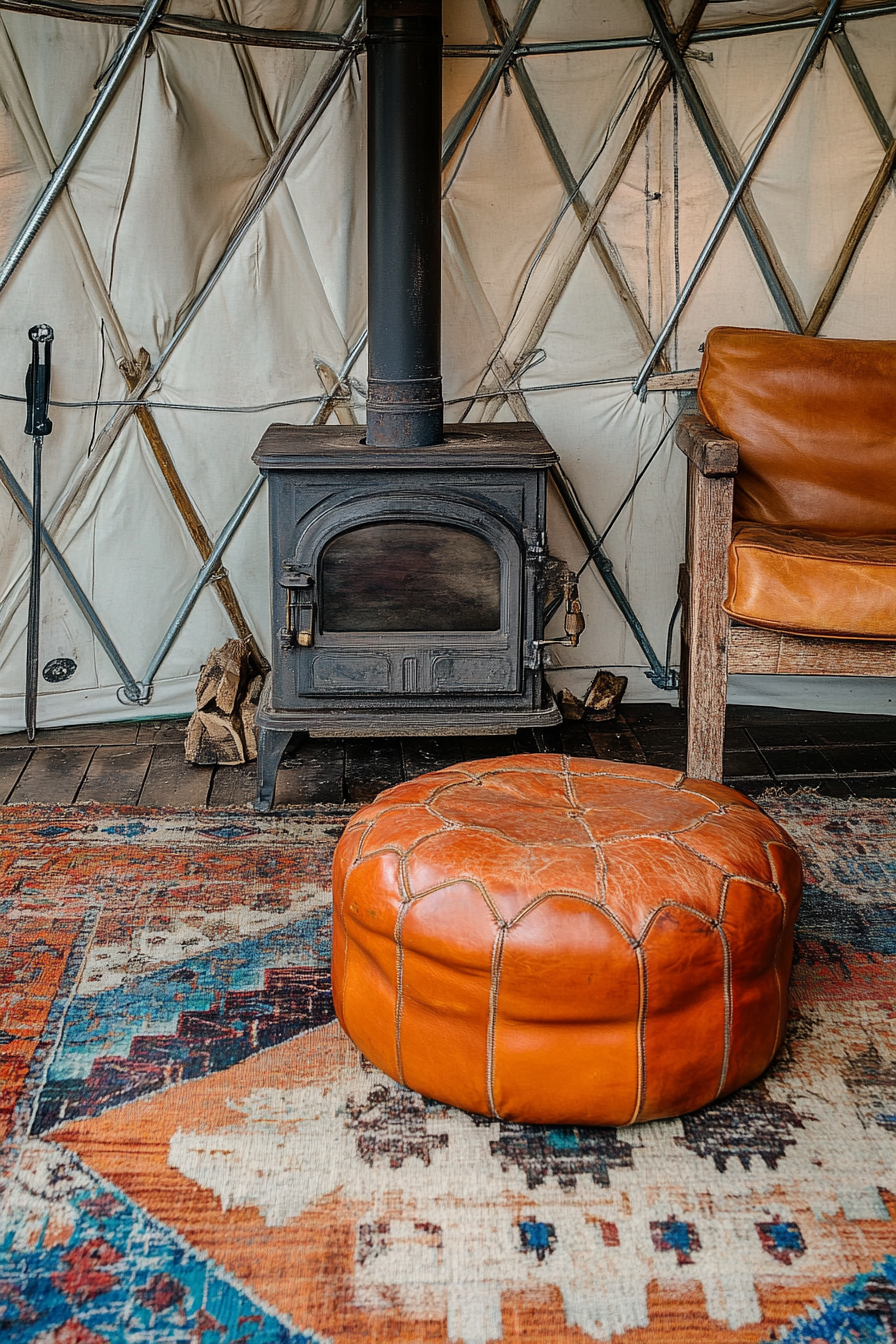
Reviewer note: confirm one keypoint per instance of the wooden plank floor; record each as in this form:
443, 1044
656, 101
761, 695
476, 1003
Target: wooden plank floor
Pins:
841, 755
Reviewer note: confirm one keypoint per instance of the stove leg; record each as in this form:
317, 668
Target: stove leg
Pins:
272, 742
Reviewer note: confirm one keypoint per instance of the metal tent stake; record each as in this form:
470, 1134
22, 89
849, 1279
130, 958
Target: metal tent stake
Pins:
38, 424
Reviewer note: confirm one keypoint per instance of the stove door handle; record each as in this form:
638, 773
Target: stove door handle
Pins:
299, 629
574, 620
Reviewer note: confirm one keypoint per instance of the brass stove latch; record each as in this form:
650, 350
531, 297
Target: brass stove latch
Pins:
299, 628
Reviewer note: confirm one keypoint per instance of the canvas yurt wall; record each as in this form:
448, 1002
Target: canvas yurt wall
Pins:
216, 221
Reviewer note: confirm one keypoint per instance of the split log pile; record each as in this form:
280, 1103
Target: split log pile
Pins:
601, 702
222, 730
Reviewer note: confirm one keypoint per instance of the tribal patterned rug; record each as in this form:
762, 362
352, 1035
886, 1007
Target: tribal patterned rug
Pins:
195, 1154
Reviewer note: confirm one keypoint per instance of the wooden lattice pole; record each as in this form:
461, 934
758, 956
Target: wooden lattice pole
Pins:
132, 372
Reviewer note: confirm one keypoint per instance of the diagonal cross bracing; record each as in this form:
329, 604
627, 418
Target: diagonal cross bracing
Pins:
504, 60
23, 504
21, 108
812, 49
598, 238
56, 185
862, 87
142, 374
854, 239
267, 184
505, 377
874, 195
184, 25
252, 35
270, 179
731, 170
486, 84
591, 220
780, 285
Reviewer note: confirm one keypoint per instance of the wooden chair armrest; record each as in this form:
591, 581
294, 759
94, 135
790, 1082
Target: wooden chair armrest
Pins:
711, 453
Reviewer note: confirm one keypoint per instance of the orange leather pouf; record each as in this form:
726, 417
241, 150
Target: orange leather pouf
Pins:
564, 941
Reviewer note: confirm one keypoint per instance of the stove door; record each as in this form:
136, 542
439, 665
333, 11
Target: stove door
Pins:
424, 603
405, 577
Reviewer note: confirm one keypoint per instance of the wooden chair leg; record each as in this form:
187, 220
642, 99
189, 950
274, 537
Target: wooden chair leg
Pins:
706, 708
706, 624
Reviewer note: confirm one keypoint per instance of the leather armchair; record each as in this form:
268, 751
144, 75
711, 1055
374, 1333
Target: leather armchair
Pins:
791, 525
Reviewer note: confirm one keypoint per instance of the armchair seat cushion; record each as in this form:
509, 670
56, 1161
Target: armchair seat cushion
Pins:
808, 583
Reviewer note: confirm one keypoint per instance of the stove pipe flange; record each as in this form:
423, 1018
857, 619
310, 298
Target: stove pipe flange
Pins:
404, 132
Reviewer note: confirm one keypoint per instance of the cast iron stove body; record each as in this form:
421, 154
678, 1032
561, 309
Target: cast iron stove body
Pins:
409, 585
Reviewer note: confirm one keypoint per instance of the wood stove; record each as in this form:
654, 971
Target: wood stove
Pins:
409, 564
409, 585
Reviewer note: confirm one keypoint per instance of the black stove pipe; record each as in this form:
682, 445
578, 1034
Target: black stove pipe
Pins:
404, 132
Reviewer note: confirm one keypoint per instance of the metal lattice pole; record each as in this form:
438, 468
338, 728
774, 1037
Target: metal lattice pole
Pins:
709, 247
56, 185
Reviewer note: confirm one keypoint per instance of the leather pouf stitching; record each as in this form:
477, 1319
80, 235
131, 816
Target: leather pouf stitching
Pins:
565, 941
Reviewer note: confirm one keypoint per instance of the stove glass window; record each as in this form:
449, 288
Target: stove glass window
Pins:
406, 576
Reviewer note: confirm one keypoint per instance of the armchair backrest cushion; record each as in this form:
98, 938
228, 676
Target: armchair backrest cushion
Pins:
816, 423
